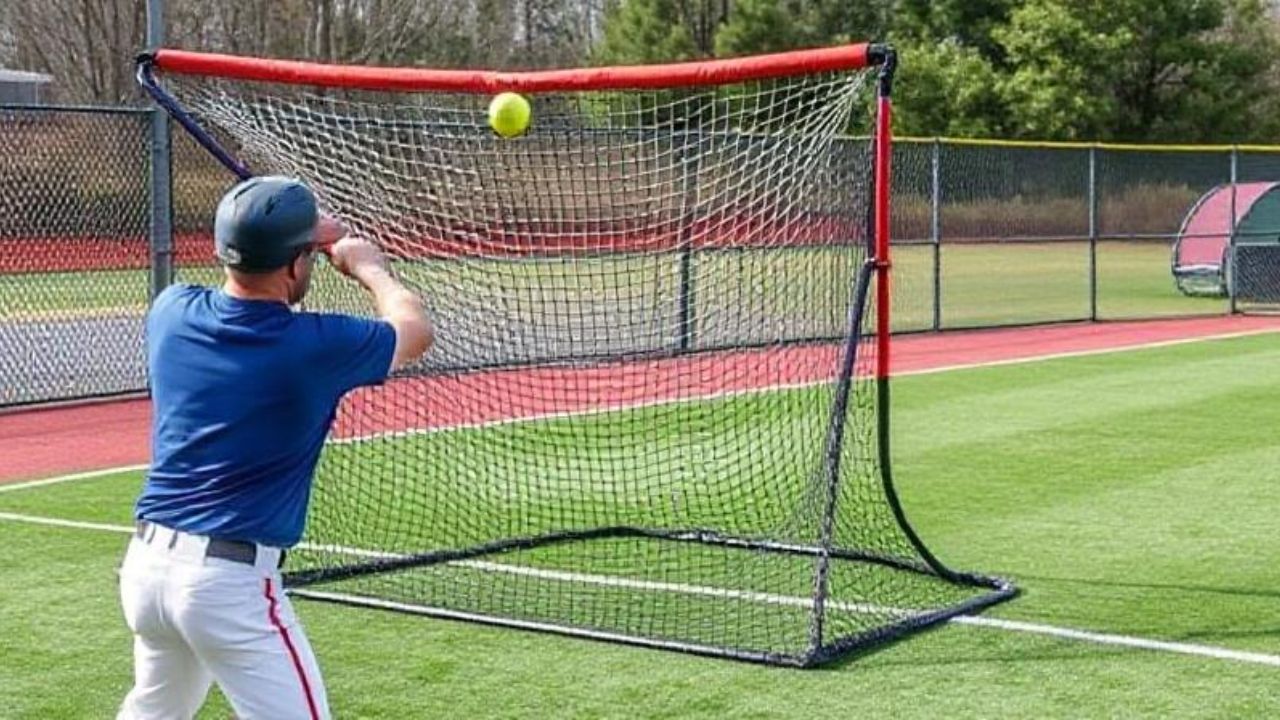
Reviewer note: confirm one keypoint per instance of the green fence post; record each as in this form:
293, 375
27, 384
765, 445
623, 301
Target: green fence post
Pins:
1093, 233
935, 229
1231, 267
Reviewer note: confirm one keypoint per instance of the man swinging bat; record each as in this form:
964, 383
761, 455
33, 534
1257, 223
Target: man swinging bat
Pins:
244, 392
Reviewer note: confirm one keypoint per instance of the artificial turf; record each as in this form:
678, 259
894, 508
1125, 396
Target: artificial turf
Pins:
1130, 493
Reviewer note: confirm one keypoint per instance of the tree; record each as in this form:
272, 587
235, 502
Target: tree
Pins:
967, 23
86, 45
1061, 60
1140, 70
948, 89
645, 31
760, 26
1186, 70
756, 26
827, 22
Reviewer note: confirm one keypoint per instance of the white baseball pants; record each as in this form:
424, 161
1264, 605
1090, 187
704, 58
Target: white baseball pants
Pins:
198, 620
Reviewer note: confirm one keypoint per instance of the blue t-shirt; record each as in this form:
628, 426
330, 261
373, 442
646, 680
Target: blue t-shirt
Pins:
244, 393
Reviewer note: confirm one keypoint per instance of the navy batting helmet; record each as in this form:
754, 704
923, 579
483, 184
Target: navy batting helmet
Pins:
264, 222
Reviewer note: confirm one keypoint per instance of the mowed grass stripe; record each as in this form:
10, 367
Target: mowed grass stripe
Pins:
994, 403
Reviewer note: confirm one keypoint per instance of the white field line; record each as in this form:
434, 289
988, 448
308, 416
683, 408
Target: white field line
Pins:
1088, 353
1121, 640
68, 478
59, 522
1208, 651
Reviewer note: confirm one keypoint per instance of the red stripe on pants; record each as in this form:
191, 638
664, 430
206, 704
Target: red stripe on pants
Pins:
274, 615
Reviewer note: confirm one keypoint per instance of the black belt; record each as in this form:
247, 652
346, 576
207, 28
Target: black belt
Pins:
233, 550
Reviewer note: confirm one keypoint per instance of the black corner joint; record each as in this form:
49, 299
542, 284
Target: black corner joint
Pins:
145, 73
144, 69
887, 58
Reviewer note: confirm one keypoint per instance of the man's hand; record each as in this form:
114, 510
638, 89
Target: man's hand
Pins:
329, 231
355, 257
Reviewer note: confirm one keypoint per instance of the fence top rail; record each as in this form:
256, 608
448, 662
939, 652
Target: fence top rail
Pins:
1065, 145
91, 109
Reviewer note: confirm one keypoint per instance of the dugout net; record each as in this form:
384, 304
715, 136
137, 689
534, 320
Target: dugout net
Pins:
657, 410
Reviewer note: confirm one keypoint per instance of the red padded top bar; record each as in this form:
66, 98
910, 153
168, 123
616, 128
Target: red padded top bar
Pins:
709, 72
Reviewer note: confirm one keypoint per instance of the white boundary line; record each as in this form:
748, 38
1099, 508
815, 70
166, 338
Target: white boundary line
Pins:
1208, 651
711, 396
59, 522
1089, 353
68, 478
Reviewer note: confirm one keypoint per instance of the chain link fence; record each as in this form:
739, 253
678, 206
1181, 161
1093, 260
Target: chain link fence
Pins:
990, 234
199, 181
986, 234
74, 204
75, 255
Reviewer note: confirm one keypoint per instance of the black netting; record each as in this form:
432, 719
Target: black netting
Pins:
638, 421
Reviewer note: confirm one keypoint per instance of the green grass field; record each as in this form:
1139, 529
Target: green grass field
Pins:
1128, 493
981, 284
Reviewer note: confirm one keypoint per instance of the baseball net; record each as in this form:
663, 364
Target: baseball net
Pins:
657, 407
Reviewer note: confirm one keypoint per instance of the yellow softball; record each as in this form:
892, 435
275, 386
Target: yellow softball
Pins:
509, 114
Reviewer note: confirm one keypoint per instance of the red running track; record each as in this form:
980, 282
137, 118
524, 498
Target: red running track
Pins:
82, 253
41, 443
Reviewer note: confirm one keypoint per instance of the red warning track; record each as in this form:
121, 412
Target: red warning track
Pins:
55, 441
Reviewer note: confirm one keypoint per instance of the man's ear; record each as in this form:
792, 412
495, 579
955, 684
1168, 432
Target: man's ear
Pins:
295, 267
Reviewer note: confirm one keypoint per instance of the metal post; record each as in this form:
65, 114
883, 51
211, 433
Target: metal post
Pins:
1232, 267
161, 171
935, 230
1093, 233
685, 309
686, 320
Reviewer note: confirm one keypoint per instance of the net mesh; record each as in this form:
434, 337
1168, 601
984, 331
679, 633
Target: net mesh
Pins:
633, 423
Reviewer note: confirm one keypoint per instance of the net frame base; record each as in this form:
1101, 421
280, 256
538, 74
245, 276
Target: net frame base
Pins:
305, 584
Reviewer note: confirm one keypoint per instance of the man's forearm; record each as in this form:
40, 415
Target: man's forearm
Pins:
403, 309
389, 296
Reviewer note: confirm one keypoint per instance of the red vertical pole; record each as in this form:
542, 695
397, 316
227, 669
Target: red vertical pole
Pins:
883, 154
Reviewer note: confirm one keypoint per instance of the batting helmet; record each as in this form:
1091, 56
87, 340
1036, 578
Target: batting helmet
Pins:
264, 222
